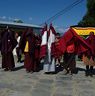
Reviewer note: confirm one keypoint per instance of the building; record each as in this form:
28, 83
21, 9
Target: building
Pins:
19, 27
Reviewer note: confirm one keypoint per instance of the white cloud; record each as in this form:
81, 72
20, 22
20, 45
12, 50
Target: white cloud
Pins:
9, 18
3, 17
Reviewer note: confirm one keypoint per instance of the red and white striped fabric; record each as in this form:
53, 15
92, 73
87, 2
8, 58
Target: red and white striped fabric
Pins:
51, 41
43, 48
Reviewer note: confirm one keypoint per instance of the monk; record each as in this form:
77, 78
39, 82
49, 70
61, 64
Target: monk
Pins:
0, 43
27, 45
8, 43
90, 54
37, 52
57, 53
69, 58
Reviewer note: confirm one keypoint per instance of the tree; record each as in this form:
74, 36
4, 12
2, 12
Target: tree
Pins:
18, 21
89, 18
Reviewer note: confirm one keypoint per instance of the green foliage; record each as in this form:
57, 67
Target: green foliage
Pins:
84, 36
89, 18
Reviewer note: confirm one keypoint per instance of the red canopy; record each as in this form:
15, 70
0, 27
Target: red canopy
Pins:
71, 36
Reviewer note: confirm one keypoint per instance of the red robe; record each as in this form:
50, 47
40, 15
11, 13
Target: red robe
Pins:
8, 43
37, 53
29, 56
91, 41
43, 47
56, 52
71, 36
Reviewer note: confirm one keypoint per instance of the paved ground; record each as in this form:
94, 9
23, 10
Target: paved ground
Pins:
20, 83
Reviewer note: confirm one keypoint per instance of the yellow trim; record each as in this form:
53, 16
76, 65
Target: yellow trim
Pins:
26, 47
84, 31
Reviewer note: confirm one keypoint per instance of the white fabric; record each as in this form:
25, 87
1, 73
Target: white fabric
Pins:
18, 40
14, 51
44, 38
50, 41
49, 64
50, 67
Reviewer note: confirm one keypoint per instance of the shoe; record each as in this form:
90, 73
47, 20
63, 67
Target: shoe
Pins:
6, 69
47, 73
91, 74
57, 65
87, 73
11, 70
21, 61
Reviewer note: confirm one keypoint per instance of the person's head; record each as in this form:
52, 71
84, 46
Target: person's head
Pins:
58, 35
29, 31
91, 33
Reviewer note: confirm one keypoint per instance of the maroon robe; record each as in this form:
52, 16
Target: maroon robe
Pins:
0, 41
43, 48
56, 54
8, 43
29, 56
89, 56
91, 41
37, 53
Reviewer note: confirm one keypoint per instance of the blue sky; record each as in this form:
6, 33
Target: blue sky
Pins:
38, 11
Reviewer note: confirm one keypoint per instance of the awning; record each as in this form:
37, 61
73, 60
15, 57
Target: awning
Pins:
84, 31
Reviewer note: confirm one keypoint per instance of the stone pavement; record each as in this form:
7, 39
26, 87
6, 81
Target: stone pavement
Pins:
20, 83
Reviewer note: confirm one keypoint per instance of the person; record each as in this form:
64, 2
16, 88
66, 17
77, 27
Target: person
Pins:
8, 43
47, 49
16, 50
70, 45
37, 52
27, 45
69, 58
0, 43
57, 53
90, 54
